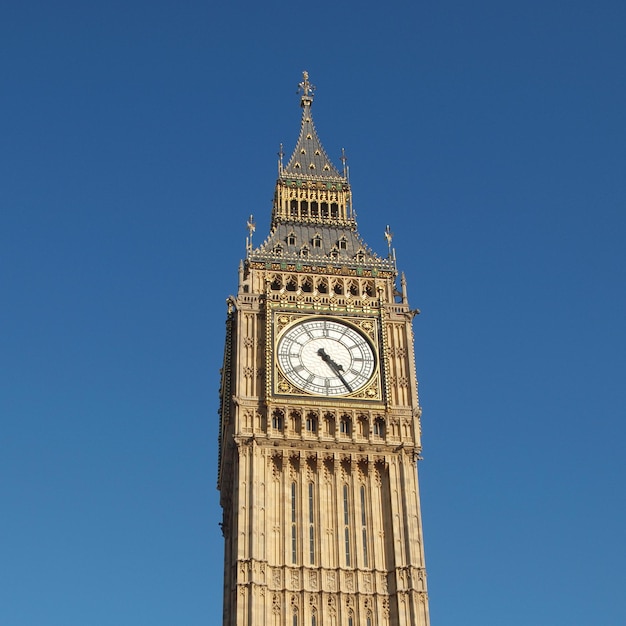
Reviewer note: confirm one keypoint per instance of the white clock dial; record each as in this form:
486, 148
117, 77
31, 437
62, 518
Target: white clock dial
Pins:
325, 357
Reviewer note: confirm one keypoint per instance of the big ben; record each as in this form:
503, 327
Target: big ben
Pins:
319, 416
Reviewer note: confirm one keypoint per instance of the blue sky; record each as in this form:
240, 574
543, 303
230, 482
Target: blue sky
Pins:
137, 138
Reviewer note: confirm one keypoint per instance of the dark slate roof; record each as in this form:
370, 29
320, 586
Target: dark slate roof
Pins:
330, 251
309, 157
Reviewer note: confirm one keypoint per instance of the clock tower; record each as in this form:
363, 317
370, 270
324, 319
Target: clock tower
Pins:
319, 417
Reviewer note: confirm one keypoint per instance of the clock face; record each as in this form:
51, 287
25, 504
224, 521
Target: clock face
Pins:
325, 357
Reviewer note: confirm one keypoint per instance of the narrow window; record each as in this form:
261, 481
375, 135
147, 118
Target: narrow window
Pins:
311, 423
295, 619
364, 527
277, 420
294, 543
350, 621
344, 425
346, 518
314, 620
378, 427
311, 524
369, 621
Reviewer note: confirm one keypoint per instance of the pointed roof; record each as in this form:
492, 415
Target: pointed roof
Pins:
309, 157
312, 218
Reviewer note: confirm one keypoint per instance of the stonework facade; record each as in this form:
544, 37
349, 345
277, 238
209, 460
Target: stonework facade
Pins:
319, 418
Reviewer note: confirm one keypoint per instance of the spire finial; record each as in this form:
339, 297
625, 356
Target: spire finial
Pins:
389, 238
344, 160
251, 228
306, 89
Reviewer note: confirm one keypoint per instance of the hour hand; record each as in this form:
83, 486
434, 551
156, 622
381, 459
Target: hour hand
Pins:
336, 367
326, 358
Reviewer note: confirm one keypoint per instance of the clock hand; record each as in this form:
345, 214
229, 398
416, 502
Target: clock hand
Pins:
336, 367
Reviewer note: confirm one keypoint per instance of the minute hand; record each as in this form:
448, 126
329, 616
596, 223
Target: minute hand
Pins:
337, 368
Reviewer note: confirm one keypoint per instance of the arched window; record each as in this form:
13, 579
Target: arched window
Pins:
344, 425
311, 423
379, 427
277, 420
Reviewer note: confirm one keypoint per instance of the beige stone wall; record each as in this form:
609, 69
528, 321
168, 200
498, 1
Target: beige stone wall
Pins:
320, 524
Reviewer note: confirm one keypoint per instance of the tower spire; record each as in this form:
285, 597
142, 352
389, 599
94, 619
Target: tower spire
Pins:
323, 193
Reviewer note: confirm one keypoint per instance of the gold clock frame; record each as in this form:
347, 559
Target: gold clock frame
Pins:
280, 387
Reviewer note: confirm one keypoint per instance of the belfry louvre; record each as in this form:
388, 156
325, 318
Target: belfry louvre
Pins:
319, 417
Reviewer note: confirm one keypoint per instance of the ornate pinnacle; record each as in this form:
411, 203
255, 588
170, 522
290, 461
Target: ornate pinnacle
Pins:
344, 160
306, 89
251, 228
280, 159
388, 236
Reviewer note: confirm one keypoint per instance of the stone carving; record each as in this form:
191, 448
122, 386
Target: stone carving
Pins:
295, 578
277, 466
332, 606
276, 604
277, 578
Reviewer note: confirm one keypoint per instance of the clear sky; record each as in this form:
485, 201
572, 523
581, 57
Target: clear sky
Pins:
136, 138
